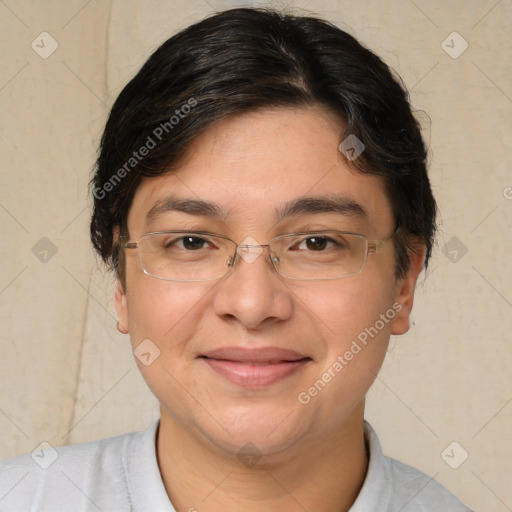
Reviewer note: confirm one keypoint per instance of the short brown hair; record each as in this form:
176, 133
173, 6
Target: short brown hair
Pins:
241, 60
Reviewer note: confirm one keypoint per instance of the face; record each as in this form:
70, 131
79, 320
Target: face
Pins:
253, 356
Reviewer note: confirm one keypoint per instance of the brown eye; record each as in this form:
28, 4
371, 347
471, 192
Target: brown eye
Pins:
320, 243
316, 243
187, 242
193, 243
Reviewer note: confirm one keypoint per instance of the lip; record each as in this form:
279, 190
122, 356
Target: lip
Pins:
254, 368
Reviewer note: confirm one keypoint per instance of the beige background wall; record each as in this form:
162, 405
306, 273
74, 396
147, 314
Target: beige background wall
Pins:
67, 376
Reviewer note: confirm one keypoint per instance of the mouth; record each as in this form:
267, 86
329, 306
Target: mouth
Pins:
255, 368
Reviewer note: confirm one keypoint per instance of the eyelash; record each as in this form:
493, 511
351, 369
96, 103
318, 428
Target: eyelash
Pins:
304, 239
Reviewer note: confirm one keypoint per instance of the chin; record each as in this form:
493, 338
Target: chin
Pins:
266, 432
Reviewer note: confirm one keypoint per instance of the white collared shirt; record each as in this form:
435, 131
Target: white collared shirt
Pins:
121, 474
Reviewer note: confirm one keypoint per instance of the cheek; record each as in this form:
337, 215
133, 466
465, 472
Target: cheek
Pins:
345, 308
360, 336
355, 338
163, 318
165, 312
354, 318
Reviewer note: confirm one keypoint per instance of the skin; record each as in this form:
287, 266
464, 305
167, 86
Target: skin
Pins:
310, 456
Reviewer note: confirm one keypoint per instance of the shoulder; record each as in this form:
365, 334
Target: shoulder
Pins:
392, 486
414, 491
90, 474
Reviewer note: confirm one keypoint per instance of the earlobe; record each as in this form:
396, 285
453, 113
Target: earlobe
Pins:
404, 297
120, 305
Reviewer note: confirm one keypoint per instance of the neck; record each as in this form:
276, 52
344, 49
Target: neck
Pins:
324, 474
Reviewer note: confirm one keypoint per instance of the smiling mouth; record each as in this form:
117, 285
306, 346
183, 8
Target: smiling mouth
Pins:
255, 368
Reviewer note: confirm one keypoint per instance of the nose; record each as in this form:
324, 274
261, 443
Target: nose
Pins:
252, 294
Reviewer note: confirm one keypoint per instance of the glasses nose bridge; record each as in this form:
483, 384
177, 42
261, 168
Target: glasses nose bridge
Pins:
251, 252
262, 246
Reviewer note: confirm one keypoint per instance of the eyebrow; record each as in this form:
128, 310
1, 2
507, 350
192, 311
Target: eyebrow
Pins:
301, 206
322, 204
191, 206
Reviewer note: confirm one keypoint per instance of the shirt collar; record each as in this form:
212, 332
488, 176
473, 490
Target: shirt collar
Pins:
143, 478
375, 492
147, 491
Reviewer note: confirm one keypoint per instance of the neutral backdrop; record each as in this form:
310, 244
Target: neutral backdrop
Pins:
67, 376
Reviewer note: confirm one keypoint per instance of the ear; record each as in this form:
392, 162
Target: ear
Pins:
121, 307
404, 295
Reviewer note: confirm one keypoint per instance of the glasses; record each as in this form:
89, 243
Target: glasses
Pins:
199, 256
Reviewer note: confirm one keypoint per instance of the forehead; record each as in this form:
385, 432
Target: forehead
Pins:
251, 167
